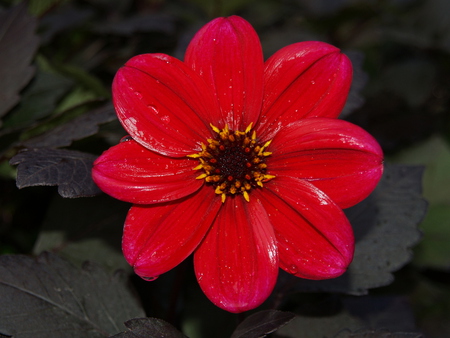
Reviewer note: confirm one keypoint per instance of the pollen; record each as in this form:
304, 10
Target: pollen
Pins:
233, 162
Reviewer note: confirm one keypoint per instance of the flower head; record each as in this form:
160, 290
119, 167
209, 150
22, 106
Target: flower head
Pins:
239, 161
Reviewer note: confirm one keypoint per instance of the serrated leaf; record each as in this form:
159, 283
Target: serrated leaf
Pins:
77, 129
262, 323
386, 228
18, 43
149, 327
48, 297
85, 229
68, 169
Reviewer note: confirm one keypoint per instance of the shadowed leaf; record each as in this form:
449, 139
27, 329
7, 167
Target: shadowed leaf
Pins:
48, 297
68, 169
149, 327
18, 43
262, 323
77, 129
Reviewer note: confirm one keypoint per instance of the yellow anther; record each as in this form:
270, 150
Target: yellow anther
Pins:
201, 176
194, 155
254, 135
246, 196
231, 138
259, 183
267, 144
267, 153
268, 177
213, 127
224, 197
249, 127
200, 166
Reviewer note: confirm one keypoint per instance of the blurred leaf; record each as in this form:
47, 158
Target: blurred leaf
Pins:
65, 16
77, 129
39, 99
18, 43
377, 334
434, 154
149, 327
262, 323
355, 100
411, 79
85, 229
138, 23
434, 251
86, 80
48, 297
39, 7
369, 316
69, 169
386, 228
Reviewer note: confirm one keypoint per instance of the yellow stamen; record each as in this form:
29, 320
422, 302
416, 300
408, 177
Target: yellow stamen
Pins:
217, 130
199, 177
246, 196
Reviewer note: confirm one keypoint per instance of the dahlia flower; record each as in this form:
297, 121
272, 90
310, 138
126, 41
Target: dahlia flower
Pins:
240, 162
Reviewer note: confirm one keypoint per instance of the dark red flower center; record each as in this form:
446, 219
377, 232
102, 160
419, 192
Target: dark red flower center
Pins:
233, 162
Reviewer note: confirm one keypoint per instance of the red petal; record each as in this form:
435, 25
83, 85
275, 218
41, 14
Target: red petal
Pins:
336, 156
237, 263
227, 54
315, 239
301, 80
132, 173
163, 104
157, 238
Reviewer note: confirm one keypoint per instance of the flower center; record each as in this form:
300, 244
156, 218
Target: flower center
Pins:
233, 162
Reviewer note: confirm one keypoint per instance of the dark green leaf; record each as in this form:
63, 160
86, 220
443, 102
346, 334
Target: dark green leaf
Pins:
262, 323
149, 327
386, 228
48, 297
68, 169
18, 43
77, 129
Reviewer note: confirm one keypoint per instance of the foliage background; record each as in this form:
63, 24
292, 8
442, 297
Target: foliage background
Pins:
400, 49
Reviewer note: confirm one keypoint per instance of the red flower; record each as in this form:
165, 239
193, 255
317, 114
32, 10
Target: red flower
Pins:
239, 161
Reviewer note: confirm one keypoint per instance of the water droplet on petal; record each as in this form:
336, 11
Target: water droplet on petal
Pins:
138, 94
293, 269
150, 279
313, 82
126, 138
